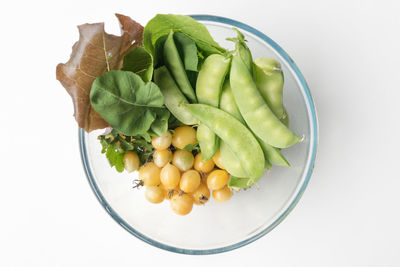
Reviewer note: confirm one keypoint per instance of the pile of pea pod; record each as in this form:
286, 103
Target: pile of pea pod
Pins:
237, 106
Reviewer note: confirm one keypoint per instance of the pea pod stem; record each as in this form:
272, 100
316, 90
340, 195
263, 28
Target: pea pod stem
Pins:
242, 49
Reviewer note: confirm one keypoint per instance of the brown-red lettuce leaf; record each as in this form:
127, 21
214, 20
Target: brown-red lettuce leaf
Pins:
95, 53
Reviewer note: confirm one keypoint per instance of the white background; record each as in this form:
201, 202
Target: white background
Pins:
349, 215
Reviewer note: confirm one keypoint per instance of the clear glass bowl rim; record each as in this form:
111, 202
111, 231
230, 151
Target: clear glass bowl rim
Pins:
308, 168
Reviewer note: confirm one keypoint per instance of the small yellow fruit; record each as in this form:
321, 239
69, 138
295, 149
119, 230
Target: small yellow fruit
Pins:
203, 166
217, 160
162, 157
217, 179
150, 174
181, 204
222, 195
162, 142
131, 161
183, 160
170, 176
184, 135
190, 180
154, 194
201, 195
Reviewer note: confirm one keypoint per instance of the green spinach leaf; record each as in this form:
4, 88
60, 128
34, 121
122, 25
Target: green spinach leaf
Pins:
173, 122
126, 102
119, 161
115, 144
146, 136
162, 24
111, 154
160, 124
125, 145
140, 62
192, 147
104, 145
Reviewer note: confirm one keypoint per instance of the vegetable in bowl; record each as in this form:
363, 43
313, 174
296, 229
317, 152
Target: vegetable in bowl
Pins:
191, 116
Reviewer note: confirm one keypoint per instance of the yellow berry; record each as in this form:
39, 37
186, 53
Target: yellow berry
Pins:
154, 194
170, 176
201, 195
181, 204
222, 195
162, 157
131, 161
217, 160
190, 180
162, 142
183, 160
150, 174
184, 135
203, 166
217, 179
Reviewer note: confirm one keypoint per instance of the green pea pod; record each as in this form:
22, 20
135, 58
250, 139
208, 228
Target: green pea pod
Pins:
268, 77
174, 99
175, 65
228, 104
273, 154
211, 78
241, 141
187, 50
208, 90
208, 142
230, 161
254, 109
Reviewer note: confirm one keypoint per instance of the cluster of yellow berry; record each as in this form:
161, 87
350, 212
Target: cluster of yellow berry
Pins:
179, 176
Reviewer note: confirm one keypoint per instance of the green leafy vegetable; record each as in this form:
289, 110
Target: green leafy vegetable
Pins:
192, 147
192, 76
240, 182
162, 24
115, 144
115, 156
104, 145
140, 62
95, 53
187, 50
173, 122
125, 145
145, 136
158, 55
160, 124
128, 104
119, 161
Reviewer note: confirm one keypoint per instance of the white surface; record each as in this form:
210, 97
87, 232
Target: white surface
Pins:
349, 214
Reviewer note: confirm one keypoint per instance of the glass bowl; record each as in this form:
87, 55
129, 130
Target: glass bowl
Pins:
250, 214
